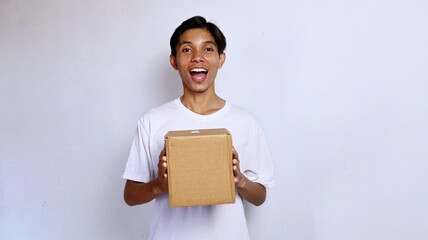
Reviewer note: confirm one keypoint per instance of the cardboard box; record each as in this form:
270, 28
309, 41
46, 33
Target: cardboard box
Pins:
200, 167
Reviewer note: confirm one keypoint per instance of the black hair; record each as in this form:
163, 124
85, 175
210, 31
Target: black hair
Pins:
198, 22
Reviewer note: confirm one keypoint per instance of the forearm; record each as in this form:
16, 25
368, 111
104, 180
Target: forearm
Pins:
139, 193
253, 192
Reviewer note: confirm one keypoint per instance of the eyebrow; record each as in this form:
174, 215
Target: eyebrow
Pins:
189, 42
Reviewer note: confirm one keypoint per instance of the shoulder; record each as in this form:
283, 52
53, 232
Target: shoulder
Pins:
243, 114
243, 122
158, 113
164, 109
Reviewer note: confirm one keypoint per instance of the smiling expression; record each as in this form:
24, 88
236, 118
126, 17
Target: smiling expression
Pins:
197, 60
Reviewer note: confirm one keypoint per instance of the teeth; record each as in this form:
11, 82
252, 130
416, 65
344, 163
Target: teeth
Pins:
198, 70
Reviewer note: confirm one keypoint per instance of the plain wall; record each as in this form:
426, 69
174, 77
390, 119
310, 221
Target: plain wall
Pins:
339, 87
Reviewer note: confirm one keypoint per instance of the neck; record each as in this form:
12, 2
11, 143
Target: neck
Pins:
203, 104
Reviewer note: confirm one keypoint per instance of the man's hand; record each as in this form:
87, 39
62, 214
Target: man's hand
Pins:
162, 179
253, 192
139, 192
240, 179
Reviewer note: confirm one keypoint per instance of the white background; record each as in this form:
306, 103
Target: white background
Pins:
339, 87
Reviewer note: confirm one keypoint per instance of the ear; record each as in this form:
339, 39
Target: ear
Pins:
173, 61
222, 60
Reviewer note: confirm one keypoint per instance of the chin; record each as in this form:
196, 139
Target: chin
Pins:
198, 89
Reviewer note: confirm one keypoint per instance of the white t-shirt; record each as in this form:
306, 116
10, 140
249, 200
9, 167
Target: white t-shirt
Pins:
224, 221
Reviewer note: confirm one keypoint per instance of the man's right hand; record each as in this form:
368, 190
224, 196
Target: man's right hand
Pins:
139, 192
162, 179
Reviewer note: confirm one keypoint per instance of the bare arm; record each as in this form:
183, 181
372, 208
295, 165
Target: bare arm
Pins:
253, 192
139, 193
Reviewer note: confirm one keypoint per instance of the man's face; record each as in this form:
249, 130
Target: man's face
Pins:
197, 60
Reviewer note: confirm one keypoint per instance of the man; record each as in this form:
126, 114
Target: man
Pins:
197, 52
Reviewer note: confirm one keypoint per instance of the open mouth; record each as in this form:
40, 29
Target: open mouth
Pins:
198, 74
195, 71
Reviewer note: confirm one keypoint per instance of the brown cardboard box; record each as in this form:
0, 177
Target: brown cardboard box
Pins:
200, 167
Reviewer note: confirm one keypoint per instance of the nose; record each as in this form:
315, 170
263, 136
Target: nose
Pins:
197, 56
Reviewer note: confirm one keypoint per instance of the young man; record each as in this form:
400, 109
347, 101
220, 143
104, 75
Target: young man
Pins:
197, 52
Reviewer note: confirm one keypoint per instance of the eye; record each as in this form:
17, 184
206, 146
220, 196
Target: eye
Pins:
186, 50
209, 49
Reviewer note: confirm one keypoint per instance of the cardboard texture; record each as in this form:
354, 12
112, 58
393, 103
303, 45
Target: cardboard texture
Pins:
200, 167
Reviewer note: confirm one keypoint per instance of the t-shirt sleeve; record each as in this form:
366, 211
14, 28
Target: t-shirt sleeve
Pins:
259, 166
138, 167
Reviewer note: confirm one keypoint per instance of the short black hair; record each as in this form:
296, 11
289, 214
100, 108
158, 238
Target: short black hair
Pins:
198, 22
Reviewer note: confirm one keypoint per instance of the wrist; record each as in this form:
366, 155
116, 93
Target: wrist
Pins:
242, 183
156, 189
